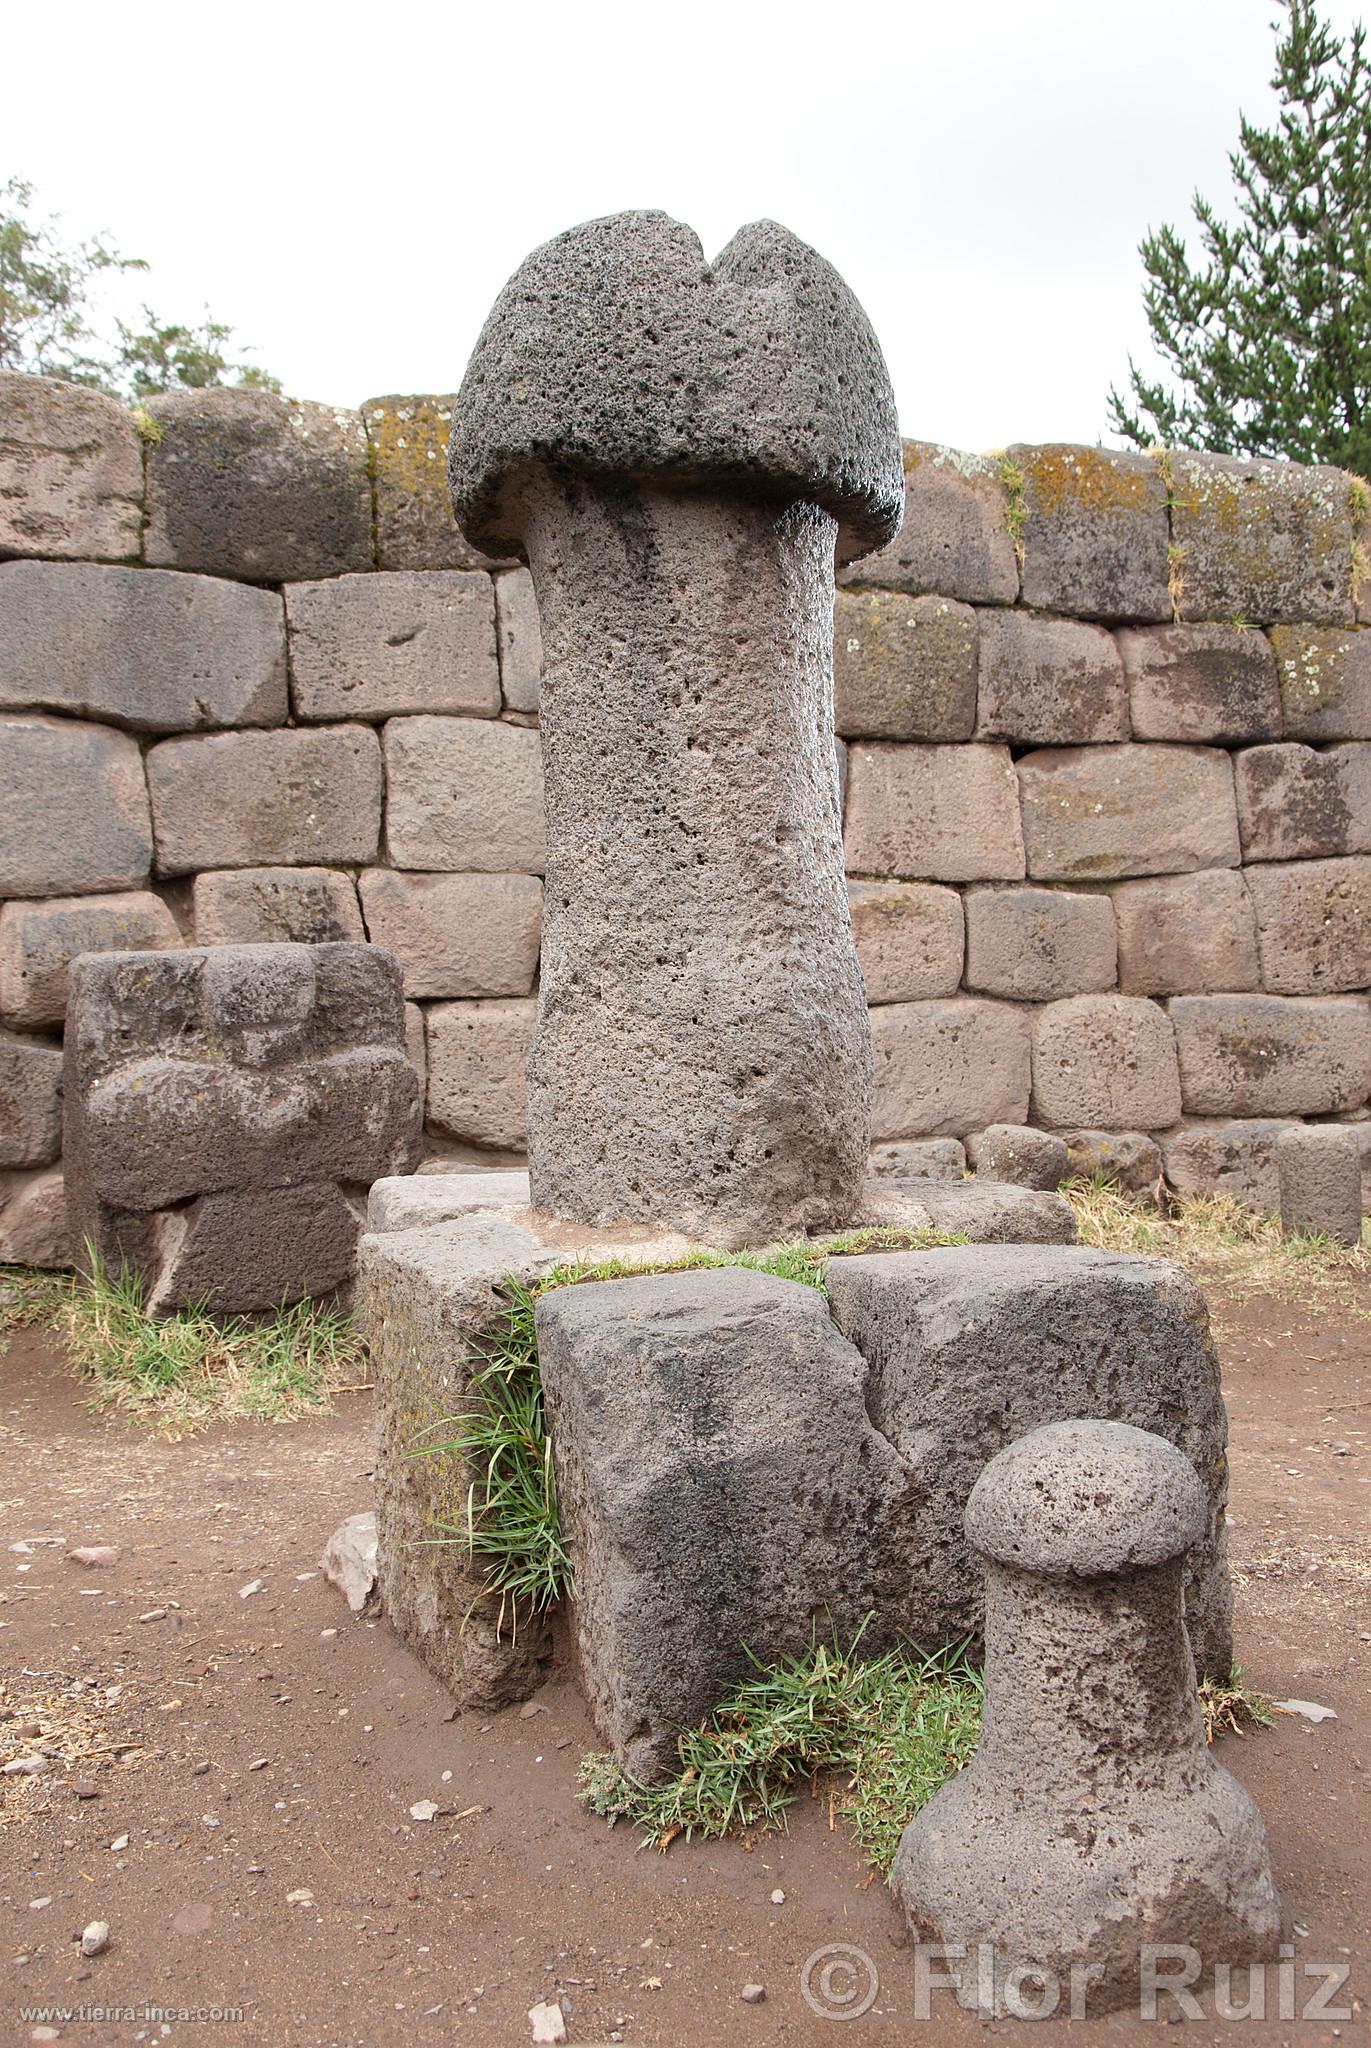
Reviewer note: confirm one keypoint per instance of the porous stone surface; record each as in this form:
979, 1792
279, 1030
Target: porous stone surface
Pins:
464, 794
242, 483
954, 540
1318, 1170
1214, 684
33, 1219
945, 814
970, 1346
457, 935
416, 1045
1260, 540
71, 472
1186, 934
942, 1067
1097, 813
30, 1100
244, 799
1038, 944
1105, 1060
697, 1549
1303, 803
1128, 1158
982, 1212
919, 1159
1094, 531
1083, 1528
477, 1071
73, 809
1325, 682
265, 906
140, 647
407, 436
1265, 1055
373, 646
521, 641
1236, 1159
1017, 1153
221, 1105
909, 939
39, 941
904, 668
1048, 682
1313, 925
418, 1201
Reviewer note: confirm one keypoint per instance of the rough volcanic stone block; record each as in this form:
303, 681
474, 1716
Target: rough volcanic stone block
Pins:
1038, 944
1019, 1154
1201, 684
256, 1247
141, 647
1107, 1060
416, 1046
942, 1068
30, 1101
1261, 540
1313, 925
73, 809
1049, 682
268, 906
521, 641
242, 483
71, 472
1265, 1055
969, 1347
909, 939
920, 1159
947, 814
478, 1069
464, 794
1304, 803
1132, 1161
904, 668
978, 1211
413, 640
1095, 533
1318, 1169
700, 1545
1235, 1159
33, 1219
1100, 813
1186, 934
457, 935
1325, 682
39, 941
415, 529
243, 799
955, 539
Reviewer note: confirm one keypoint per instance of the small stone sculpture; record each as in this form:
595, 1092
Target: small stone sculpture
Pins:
1318, 1167
1093, 1820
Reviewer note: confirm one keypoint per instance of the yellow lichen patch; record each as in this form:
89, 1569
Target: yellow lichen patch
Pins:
1057, 477
408, 439
1311, 665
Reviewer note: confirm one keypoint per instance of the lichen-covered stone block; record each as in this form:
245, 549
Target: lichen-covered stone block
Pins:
1304, 803
1018, 1154
73, 809
478, 1072
30, 1101
1049, 682
942, 814
71, 472
144, 648
1259, 540
457, 935
1201, 684
1186, 934
39, 941
242, 483
904, 668
944, 1068
1104, 1060
1270, 1055
909, 939
272, 906
33, 1219
1128, 1158
245, 799
464, 794
1100, 813
1325, 682
1094, 531
408, 436
521, 642
374, 646
1313, 925
1236, 1159
1318, 1167
1035, 945
955, 539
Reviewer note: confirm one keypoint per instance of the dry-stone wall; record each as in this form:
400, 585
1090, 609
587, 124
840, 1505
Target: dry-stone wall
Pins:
1104, 728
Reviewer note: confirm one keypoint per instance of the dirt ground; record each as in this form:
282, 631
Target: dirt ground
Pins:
271, 1863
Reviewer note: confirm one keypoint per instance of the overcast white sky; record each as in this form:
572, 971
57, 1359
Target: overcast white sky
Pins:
351, 185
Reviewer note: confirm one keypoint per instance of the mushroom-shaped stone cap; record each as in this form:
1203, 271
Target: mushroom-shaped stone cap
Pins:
1083, 1499
615, 350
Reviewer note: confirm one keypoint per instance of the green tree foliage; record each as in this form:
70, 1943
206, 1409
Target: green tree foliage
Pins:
48, 320
1268, 340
